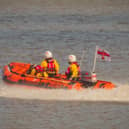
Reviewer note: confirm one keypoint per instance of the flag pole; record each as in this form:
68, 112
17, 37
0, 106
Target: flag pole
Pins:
95, 56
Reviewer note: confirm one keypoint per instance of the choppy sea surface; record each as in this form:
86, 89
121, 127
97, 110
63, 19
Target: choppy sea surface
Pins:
25, 36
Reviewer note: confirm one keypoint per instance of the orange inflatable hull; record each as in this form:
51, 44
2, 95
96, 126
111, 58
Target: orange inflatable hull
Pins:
16, 72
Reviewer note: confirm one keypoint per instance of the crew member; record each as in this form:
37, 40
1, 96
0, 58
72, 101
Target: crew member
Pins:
50, 65
73, 71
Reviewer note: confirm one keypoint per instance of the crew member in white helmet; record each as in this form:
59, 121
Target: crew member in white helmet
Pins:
49, 66
73, 71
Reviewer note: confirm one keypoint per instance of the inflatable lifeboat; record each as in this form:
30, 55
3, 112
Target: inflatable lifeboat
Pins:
17, 72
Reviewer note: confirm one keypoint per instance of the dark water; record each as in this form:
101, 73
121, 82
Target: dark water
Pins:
31, 114
25, 37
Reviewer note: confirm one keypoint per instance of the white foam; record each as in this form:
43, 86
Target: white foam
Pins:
121, 93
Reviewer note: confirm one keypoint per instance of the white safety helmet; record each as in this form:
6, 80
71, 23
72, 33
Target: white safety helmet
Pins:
72, 58
48, 54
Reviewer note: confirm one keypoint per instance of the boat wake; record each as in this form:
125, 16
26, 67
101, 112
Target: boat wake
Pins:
120, 93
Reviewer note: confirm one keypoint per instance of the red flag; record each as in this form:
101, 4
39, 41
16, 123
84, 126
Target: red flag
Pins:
103, 54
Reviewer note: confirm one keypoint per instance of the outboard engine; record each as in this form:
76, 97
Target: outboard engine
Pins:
88, 78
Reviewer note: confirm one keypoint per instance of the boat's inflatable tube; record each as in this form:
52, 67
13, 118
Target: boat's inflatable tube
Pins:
16, 72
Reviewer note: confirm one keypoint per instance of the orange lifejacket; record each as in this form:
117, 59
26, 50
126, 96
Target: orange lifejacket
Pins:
50, 65
51, 68
38, 68
68, 71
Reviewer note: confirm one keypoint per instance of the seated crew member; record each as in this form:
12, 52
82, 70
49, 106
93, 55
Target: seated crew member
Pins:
36, 70
49, 67
73, 71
